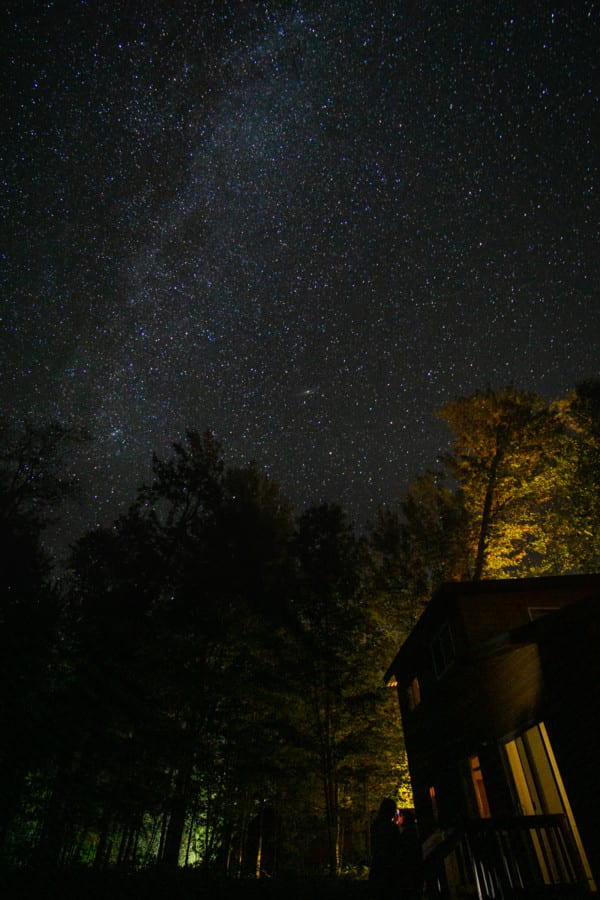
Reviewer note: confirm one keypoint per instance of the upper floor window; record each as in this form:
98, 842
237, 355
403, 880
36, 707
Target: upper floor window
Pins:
413, 694
442, 650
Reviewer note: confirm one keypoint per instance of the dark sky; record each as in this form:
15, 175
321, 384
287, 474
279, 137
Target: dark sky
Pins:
305, 225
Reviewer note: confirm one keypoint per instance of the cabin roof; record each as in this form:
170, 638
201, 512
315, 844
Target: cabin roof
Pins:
445, 601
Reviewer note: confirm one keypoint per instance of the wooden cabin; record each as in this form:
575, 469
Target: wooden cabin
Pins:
499, 691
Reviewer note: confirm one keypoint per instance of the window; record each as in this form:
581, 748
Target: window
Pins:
483, 807
434, 803
442, 650
413, 694
540, 790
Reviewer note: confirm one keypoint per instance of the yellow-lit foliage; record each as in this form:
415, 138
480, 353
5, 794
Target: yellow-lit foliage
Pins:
505, 451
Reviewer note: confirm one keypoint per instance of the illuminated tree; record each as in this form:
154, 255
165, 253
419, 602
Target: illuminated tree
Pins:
504, 450
342, 714
324, 607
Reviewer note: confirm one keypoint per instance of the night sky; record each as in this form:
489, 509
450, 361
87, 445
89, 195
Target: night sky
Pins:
304, 225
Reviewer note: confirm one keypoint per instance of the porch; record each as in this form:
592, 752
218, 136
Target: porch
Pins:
501, 859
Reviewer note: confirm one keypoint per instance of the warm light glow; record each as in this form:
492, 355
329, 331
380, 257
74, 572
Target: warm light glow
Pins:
413, 694
540, 787
433, 800
483, 806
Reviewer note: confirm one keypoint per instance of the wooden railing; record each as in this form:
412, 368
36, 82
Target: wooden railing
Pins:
497, 859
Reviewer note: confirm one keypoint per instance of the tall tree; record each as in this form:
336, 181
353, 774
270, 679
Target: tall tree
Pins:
417, 546
34, 479
223, 543
327, 555
340, 715
115, 728
574, 515
503, 453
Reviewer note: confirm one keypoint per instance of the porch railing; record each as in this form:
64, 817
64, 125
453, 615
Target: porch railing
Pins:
497, 859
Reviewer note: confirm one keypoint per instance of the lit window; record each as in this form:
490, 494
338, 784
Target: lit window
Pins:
434, 804
481, 799
442, 650
413, 694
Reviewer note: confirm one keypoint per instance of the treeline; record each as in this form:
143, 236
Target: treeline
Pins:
203, 684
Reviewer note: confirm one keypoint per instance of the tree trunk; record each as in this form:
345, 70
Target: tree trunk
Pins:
259, 849
164, 827
330, 790
176, 826
104, 844
486, 515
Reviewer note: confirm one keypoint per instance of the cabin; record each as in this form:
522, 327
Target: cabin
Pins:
499, 692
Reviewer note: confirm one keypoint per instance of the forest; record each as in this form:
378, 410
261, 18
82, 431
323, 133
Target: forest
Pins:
200, 685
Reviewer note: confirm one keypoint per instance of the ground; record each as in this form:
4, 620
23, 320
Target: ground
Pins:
179, 885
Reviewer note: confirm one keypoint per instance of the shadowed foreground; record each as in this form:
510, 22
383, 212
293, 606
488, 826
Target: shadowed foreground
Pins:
178, 885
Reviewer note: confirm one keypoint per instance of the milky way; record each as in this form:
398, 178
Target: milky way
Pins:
303, 225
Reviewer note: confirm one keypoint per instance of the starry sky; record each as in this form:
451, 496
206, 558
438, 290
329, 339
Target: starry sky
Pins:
305, 225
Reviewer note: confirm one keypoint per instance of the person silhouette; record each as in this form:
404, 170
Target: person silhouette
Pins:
386, 852
411, 877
